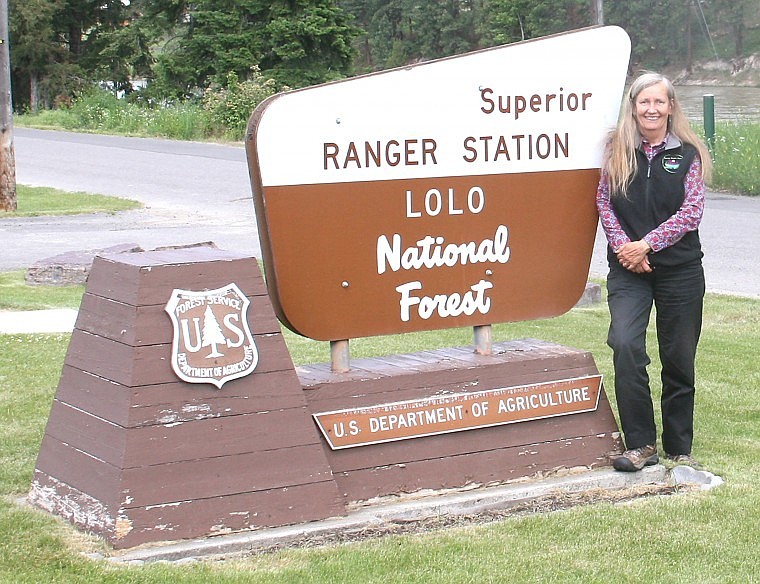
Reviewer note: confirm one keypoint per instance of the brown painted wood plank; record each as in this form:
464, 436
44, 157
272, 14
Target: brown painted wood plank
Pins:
129, 527
100, 480
149, 277
177, 441
181, 481
479, 468
151, 325
457, 358
330, 396
233, 513
73, 505
96, 395
91, 435
150, 365
476, 381
177, 401
478, 440
226, 475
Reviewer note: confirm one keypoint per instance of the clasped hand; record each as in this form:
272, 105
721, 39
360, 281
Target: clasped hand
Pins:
633, 256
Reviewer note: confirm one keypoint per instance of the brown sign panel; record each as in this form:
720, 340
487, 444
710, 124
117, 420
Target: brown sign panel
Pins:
456, 192
454, 413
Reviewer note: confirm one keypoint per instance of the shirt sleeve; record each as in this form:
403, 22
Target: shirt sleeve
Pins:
688, 216
616, 237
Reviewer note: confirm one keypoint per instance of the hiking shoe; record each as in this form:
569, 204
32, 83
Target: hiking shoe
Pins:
684, 459
636, 459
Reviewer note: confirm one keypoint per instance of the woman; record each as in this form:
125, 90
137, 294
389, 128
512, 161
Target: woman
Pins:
650, 200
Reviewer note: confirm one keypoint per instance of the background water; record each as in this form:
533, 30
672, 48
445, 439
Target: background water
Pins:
732, 104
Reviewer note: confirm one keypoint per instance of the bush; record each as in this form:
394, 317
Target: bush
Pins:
737, 168
99, 110
230, 107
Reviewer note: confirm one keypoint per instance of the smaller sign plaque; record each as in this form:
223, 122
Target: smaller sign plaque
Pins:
212, 341
457, 412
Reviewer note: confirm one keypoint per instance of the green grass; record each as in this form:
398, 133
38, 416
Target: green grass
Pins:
34, 201
101, 112
706, 536
15, 295
737, 158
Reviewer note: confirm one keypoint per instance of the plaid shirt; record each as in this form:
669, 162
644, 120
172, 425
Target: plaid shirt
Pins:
686, 219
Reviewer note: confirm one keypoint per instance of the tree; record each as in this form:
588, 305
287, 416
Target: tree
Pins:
35, 51
507, 21
60, 45
296, 42
658, 31
729, 18
400, 32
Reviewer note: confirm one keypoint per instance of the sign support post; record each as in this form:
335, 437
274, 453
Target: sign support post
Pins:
340, 356
482, 339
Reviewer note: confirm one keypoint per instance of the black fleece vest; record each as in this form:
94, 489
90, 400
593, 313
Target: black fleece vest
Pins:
656, 193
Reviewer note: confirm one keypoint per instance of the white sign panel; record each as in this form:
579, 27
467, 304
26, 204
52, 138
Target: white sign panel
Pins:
529, 107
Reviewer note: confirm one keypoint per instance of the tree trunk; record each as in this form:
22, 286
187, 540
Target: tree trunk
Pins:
598, 10
34, 92
689, 48
7, 173
739, 41
7, 160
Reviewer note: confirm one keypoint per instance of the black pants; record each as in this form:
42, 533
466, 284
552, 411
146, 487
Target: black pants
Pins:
677, 294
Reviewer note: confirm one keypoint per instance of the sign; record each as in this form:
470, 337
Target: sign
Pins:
212, 341
454, 413
457, 192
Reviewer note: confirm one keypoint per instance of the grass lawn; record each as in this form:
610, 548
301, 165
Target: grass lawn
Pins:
706, 536
34, 201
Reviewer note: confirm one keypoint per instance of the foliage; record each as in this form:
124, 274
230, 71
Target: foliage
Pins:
737, 168
230, 106
101, 111
180, 48
307, 42
657, 30
38, 61
508, 21
403, 31
59, 45
297, 42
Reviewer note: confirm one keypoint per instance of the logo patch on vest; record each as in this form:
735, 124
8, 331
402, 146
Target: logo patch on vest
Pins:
672, 162
212, 341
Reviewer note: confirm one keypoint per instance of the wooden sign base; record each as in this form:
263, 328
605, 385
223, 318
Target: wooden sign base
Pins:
136, 455
453, 459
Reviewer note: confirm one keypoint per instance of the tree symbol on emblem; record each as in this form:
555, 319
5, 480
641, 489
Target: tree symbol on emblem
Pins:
212, 333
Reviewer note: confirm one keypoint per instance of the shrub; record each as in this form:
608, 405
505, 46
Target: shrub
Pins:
231, 106
736, 158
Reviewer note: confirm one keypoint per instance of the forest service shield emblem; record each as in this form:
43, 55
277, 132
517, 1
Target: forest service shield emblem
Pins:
212, 341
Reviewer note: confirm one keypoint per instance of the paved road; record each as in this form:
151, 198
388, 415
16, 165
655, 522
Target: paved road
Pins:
193, 192
198, 192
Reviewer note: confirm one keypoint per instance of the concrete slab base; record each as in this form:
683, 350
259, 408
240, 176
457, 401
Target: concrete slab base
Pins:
385, 516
